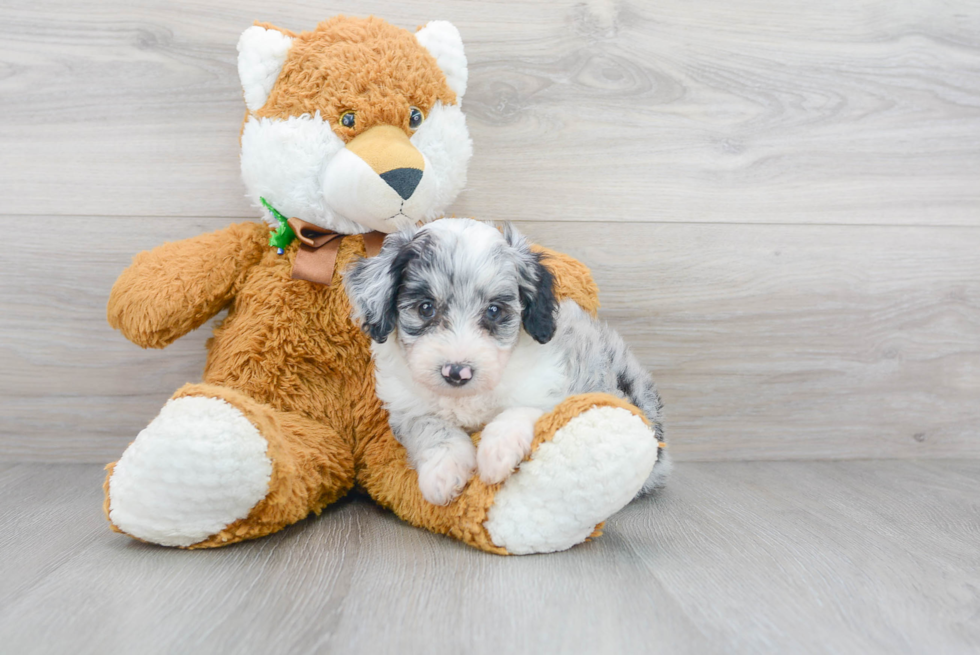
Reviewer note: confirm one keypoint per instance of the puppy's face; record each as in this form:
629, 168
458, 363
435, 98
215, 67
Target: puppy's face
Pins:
457, 294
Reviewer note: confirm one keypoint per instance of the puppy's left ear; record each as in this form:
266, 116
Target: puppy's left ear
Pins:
372, 285
537, 288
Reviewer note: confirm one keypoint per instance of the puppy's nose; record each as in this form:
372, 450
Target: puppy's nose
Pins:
457, 374
403, 180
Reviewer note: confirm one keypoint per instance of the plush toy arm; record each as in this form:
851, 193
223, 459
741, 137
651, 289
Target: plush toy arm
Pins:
176, 287
572, 278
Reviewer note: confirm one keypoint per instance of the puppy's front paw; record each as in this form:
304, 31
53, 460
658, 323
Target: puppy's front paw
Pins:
505, 442
445, 470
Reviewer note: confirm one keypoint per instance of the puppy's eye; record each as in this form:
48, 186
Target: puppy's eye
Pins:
493, 312
347, 119
415, 118
427, 310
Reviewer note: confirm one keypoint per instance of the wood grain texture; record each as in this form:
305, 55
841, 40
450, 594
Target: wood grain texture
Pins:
820, 557
768, 342
780, 204
48, 515
760, 111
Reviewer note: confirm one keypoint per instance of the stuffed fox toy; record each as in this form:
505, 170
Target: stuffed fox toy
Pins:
352, 131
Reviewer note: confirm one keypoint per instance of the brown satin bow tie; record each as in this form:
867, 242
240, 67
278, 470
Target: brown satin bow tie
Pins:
317, 254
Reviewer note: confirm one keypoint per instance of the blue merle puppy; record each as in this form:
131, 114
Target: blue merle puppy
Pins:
481, 342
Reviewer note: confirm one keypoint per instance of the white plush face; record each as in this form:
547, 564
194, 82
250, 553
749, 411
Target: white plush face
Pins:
303, 168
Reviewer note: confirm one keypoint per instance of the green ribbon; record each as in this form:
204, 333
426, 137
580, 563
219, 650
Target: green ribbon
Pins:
283, 236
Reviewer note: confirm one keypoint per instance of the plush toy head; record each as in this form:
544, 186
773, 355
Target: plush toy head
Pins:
355, 126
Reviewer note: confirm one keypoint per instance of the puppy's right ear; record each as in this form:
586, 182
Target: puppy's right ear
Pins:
372, 285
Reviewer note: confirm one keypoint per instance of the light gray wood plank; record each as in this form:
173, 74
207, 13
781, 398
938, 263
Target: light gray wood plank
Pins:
447, 597
756, 112
815, 557
857, 556
768, 342
49, 514
782, 342
120, 595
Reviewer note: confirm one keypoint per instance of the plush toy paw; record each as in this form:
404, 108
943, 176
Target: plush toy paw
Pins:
592, 466
197, 467
444, 471
505, 442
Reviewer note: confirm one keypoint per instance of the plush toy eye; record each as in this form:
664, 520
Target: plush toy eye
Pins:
427, 310
347, 119
493, 312
415, 118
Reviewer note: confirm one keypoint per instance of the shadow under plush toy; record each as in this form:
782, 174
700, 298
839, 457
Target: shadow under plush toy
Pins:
352, 131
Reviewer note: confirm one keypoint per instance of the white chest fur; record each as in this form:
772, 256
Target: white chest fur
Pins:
535, 377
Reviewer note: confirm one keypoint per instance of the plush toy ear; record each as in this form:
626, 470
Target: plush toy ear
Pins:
372, 284
442, 40
261, 54
537, 288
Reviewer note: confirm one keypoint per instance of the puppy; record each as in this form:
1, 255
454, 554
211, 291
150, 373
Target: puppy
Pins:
481, 342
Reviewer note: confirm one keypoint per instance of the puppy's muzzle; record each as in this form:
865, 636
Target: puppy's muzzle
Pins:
457, 374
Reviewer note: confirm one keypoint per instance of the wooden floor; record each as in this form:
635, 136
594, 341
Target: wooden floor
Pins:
766, 557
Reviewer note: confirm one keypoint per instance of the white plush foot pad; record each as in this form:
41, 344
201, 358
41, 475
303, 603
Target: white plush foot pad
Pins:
590, 470
197, 467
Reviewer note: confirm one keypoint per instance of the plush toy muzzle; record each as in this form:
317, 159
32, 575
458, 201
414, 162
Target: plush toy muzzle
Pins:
377, 180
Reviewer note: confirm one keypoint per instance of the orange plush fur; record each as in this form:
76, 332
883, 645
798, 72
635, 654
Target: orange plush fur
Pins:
370, 67
301, 371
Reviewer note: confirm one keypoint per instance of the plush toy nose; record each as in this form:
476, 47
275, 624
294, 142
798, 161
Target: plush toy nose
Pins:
390, 153
403, 180
457, 374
